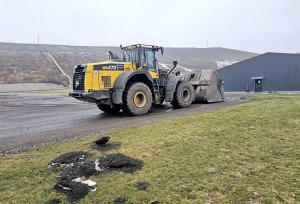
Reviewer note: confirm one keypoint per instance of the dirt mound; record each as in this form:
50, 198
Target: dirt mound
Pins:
69, 158
102, 140
85, 169
70, 182
75, 191
142, 186
102, 144
119, 162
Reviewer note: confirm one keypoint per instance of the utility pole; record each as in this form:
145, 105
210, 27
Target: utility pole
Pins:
38, 39
207, 44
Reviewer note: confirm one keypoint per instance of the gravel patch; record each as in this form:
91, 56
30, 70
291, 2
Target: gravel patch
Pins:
4, 88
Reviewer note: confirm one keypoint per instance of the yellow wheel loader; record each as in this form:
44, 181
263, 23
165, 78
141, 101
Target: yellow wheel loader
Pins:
135, 83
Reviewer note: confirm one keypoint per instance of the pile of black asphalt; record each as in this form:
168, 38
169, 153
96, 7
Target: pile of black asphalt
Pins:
78, 164
74, 191
69, 158
119, 162
103, 145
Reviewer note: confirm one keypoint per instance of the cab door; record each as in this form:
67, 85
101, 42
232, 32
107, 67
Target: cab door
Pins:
150, 59
151, 63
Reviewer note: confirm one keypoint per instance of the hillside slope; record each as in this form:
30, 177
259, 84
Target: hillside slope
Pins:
30, 63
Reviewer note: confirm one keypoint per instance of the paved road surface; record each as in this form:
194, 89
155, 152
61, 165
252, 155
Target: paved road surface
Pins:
28, 119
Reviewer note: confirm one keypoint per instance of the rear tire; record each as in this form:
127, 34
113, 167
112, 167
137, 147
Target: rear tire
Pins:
109, 109
137, 99
184, 95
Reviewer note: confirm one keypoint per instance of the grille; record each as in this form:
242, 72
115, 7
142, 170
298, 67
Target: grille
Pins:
78, 78
107, 81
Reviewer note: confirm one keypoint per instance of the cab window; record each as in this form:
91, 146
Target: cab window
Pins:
130, 55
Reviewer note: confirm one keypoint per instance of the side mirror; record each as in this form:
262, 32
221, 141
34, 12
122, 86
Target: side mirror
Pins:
175, 63
162, 50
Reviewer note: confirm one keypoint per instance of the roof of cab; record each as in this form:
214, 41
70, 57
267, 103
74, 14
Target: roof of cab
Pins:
130, 47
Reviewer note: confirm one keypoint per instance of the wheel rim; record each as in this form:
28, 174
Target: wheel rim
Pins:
185, 95
140, 99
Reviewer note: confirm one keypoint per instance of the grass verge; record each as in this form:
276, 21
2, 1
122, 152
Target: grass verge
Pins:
247, 153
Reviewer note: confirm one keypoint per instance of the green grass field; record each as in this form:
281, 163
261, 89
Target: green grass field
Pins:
248, 153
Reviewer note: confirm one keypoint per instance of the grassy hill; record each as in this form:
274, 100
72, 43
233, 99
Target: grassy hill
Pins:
30, 63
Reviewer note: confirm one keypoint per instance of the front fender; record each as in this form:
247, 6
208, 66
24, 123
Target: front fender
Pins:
122, 81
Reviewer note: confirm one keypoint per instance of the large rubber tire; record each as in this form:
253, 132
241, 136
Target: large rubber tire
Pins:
137, 99
184, 95
108, 109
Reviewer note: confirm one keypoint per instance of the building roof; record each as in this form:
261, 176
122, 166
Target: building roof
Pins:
228, 66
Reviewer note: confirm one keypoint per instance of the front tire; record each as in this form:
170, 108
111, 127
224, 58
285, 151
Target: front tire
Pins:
137, 99
184, 95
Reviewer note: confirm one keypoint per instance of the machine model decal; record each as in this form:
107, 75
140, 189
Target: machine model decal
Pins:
110, 67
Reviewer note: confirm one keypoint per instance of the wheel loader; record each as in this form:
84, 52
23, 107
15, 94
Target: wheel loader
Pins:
135, 83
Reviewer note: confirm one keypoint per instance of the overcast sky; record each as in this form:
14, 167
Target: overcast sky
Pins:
249, 25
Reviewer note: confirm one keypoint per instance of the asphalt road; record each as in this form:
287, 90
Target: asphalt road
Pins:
28, 120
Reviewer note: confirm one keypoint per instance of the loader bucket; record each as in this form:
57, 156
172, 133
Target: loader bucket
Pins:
208, 86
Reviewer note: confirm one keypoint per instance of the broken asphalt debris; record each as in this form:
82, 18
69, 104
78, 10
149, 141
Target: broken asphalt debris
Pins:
75, 191
85, 169
102, 140
119, 162
69, 159
77, 166
103, 145
69, 181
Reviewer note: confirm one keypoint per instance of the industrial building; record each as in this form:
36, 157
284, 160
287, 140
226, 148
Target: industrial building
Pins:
266, 72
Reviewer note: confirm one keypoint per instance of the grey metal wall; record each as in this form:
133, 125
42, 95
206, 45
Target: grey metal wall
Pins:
281, 72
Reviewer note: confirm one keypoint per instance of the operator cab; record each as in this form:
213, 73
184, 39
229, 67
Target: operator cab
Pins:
142, 55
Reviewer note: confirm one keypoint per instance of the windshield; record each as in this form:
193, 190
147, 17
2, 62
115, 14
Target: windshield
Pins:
142, 57
130, 55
